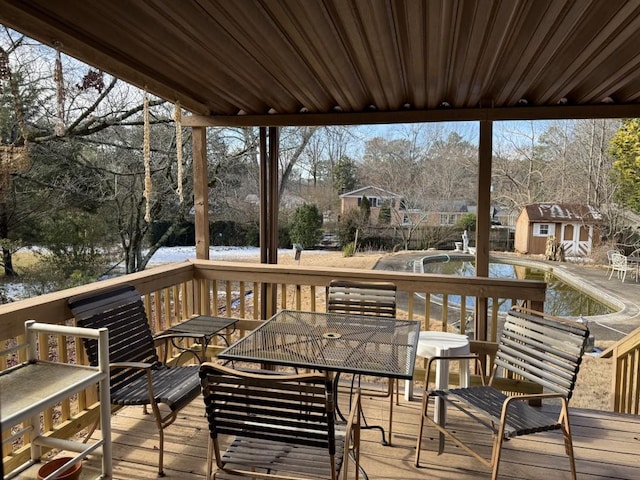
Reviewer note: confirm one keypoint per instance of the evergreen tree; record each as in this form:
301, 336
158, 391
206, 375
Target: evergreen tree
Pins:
625, 148
306, 226
384, 217
344, 174
365, 208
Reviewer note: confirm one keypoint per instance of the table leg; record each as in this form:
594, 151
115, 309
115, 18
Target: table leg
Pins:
440, 412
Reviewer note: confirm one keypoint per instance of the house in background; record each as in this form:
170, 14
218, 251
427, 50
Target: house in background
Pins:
377, 197
432, 213
575, 226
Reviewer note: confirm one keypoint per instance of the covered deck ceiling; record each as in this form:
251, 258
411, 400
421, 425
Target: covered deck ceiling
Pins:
323, 62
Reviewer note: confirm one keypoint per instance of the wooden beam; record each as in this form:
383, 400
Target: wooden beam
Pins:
264, 218
483, 221
560, 112
201, 192
483, 218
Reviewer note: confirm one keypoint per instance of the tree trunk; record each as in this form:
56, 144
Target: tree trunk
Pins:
7, 256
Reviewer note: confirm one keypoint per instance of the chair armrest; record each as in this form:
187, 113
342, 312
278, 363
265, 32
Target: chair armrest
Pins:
470, 356
138, 365
146, 367
530, 396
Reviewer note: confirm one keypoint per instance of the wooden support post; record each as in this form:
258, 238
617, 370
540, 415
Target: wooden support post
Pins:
201, 192
483, 220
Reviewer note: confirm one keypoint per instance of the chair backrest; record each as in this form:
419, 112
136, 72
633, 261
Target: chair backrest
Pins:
122, 312
542, 349
296, 409
618, 260
362, 298
610, 254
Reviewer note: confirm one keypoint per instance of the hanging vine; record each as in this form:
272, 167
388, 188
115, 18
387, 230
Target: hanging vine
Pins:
14, 158
177, 116
59, 81
148, 186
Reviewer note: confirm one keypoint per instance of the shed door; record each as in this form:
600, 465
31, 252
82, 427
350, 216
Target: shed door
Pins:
576, 239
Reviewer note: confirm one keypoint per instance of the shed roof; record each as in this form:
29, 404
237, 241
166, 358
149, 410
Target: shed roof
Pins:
292, 62
562, 212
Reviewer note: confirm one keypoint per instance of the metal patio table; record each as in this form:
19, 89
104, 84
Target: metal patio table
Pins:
332, 342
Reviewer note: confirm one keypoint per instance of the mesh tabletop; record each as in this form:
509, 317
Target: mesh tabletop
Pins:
203, 324
383, 347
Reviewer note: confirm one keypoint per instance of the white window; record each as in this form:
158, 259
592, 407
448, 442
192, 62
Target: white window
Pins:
448, 219
543, 229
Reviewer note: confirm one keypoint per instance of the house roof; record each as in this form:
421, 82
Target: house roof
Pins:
370, 190
322, 62
562, 212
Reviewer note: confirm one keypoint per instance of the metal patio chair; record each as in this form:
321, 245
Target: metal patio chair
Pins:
534, 347
282, 426
138, 377
620, 266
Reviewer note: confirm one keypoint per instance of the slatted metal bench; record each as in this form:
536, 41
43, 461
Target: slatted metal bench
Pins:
137, 375
533, 346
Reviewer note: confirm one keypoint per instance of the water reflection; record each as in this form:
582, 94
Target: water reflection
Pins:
561, 299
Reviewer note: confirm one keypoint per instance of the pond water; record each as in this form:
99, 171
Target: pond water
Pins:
561, 299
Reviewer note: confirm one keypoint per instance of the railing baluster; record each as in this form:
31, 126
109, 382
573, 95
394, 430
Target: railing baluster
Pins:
313, 298
445, 312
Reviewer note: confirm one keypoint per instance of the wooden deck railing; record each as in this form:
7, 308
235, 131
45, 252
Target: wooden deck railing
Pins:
626, 373
174, 292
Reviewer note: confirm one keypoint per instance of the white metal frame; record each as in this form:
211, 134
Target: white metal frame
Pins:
67, 379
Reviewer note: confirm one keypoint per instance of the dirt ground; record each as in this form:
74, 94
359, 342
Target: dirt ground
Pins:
593, 389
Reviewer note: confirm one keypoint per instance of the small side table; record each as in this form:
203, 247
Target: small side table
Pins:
442, 344
207, 327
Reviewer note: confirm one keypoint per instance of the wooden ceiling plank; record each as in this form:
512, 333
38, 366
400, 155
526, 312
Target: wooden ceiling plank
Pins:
45, 28
411, 20
617, 45
311, 29
543, 26
578, 56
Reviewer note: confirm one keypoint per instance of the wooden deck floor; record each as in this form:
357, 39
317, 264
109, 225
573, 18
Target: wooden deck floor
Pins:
607, 446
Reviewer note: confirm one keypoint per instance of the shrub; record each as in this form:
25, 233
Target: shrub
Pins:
306, 226
349, 250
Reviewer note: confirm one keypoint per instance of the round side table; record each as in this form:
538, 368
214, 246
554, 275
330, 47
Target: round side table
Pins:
442, 344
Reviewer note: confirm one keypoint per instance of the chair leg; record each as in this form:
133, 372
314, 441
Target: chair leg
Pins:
495, 456
568, 442
160, 425
497, 448
423, 413
161, 454
209, 459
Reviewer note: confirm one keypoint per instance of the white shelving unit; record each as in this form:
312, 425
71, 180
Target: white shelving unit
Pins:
29, 388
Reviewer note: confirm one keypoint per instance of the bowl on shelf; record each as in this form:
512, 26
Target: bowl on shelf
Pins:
71, 473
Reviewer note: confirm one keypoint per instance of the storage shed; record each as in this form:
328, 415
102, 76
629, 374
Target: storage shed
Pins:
575, 226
